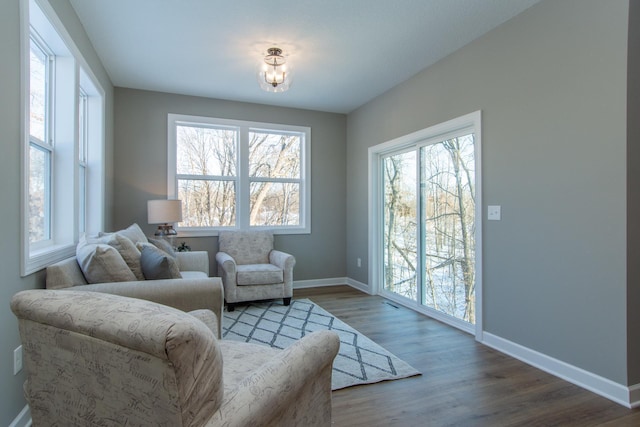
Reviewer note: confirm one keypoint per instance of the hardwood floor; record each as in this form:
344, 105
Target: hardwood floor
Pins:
463, 383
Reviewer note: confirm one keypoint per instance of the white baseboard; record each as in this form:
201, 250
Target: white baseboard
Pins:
359, 286
634, 396
23, 419
623, 395
316, 283
335, 281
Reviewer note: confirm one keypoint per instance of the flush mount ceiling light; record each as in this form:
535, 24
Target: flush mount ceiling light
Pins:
274, 74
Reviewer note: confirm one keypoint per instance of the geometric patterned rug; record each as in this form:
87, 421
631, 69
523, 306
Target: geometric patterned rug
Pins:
359, 361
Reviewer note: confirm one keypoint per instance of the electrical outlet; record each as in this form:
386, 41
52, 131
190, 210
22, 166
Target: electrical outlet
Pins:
17, 360
359, 262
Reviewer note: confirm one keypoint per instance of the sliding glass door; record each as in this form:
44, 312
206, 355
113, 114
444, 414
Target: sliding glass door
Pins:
447, 183
428, 236
400, 224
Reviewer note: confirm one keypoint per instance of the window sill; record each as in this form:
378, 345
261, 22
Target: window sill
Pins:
182, 232
42, 258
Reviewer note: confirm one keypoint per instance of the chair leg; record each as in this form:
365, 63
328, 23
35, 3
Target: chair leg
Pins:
231, 306
286, 301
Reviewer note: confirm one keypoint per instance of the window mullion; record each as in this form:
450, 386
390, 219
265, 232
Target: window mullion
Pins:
242, 180
205, 177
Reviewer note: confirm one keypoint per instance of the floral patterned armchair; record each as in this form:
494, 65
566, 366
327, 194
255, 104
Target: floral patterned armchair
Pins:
99, 359
251, 269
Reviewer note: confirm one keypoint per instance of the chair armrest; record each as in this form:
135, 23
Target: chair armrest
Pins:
226, 262
283, 260
286, 262
183, 294
294, 386
227, 271
193, 261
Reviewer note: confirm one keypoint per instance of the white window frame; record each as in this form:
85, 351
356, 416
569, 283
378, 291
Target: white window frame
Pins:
471, 122
44, 145
68, 72
242, 179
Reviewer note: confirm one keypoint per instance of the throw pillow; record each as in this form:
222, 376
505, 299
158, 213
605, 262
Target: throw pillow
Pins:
164, 245
101, 263
133, 233
157, 264
127, 250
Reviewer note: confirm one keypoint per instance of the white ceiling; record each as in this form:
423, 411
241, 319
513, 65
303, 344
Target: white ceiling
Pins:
343, 52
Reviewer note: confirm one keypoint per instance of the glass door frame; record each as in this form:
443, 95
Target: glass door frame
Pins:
469, 123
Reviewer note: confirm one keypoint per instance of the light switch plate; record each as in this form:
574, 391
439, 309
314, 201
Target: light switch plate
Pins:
493, 213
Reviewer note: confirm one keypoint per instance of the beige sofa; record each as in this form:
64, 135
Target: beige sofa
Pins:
196, 290
100, 359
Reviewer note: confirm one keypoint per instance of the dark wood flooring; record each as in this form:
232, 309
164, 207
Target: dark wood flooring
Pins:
463, 383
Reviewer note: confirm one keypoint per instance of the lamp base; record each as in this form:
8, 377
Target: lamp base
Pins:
165, 230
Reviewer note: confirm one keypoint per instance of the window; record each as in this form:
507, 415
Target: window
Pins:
40, 149
63, 128
233, 174
426, 221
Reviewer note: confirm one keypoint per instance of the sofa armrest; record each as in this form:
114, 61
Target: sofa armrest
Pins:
183, 294
193, 261
294, 386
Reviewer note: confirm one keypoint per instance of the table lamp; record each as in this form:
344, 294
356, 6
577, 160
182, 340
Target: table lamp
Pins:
165, 213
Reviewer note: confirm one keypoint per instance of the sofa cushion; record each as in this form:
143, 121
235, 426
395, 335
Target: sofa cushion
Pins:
101, 263
258, 274
157, 264
193, 274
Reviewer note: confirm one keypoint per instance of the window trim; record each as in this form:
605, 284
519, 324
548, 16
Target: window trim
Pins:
38, 17
243, 180
450, 128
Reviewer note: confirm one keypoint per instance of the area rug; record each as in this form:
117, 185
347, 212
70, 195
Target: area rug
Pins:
359, 361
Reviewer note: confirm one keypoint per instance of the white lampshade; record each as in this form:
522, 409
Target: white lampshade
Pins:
164, 211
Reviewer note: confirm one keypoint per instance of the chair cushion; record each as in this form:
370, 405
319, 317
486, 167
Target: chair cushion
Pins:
258, 274
207, 317
241, 359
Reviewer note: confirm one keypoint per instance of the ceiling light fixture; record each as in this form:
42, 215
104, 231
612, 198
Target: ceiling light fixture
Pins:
274, 74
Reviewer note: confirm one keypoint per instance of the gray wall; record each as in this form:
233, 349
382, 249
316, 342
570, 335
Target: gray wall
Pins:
12, 401
551, 84
141, 171
633, 195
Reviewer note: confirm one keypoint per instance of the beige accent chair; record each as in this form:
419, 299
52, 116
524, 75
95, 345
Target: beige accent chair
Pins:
195, 290
100, 359
251, 269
